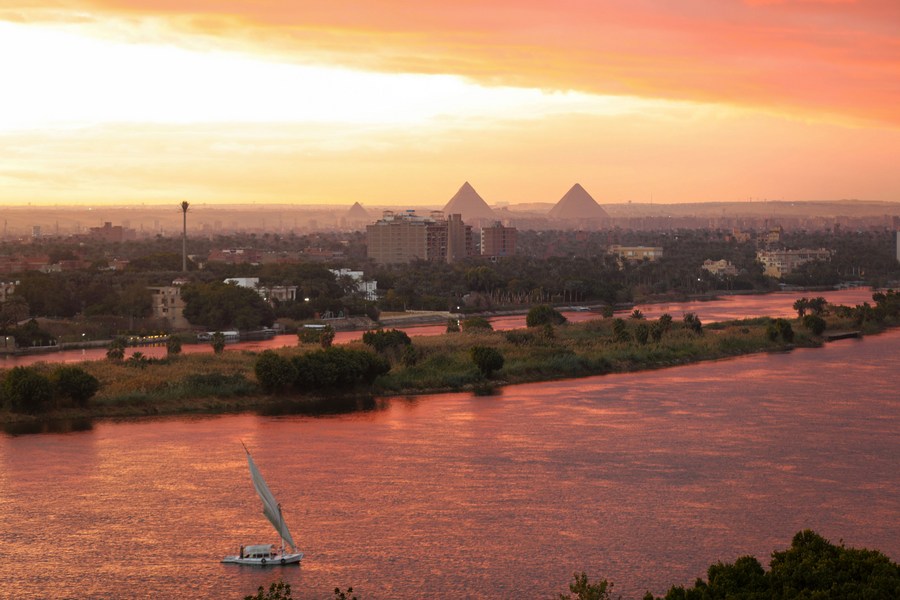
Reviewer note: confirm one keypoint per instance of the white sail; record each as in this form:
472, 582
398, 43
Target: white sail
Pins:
270, 505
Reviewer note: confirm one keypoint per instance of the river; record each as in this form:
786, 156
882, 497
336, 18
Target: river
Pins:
779, 304
644, 478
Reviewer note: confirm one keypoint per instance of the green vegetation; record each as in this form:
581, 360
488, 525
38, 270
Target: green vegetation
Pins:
218, 305
812, 568
487, 359
544, 314
387, 362
321, 335
33, 391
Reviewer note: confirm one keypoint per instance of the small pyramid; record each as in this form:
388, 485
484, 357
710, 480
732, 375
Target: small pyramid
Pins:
577, 204
469, 204
357, 213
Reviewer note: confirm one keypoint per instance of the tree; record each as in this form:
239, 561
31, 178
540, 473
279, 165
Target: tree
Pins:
620, 331
815, 324
692, 323
223, 306
184, 209
487, 359
382, 340
543, 314
13, 311
322, 335
584, 590
173, 345
116, 350
642, 333
277, 591
274, 372
218, 342
26, 390
76, 383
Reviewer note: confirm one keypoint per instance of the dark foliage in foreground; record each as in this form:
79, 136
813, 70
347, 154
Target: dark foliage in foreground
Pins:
812, 568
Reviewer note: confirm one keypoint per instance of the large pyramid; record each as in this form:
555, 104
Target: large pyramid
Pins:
470, 205
357, 213
577, 204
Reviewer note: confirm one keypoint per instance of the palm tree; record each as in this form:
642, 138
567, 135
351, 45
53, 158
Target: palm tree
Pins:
184, 208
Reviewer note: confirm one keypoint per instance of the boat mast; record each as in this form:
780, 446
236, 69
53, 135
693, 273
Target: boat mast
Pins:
280, 529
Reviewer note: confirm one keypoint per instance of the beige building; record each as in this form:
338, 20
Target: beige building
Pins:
498, 240
637, 253
778, 263
719, 267
399, 238
168, 304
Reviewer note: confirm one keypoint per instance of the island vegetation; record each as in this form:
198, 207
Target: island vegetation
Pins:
389, 362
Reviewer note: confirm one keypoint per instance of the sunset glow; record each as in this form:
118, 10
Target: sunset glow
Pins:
118, 101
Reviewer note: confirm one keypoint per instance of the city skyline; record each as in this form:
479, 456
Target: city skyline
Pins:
149, 101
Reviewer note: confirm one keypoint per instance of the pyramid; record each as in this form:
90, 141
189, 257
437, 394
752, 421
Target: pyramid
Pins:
469, 204
577, 204
357, 213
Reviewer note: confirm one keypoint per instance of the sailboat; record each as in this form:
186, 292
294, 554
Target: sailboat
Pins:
267, 554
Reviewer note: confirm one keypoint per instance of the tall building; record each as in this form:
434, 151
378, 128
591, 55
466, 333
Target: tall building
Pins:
399, 238
498, 240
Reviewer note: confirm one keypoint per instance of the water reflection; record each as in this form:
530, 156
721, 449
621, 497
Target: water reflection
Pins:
324, 406
645, 478
49, 426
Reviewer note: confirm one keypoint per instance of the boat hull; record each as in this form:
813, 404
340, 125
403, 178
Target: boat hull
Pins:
275, 561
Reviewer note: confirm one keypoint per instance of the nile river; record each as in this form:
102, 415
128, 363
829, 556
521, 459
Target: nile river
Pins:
643, 478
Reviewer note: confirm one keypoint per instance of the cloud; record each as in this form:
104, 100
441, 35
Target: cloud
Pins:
815, 58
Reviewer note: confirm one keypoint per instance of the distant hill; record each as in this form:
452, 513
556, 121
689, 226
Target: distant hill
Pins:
577, 204
470, 205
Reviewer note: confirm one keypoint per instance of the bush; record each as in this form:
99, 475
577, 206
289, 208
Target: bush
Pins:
381, 341
452, 325
26, 390
815, 324
77, 384
487, 359
544, 314
692, 323
476, 324
274, 372
173, 345
336, 368
322, 336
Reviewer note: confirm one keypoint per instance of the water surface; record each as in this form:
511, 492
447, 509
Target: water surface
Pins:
644, 478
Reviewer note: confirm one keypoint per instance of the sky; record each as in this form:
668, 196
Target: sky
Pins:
385, 102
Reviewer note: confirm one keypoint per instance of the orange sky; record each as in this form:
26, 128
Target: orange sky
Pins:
387, 102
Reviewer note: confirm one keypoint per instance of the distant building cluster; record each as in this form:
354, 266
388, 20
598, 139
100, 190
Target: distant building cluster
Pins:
400, 238
778, 263
112, 233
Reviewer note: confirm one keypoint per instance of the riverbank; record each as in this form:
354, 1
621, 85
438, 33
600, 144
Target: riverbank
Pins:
216, 383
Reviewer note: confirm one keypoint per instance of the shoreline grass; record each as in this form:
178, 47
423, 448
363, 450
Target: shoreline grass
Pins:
226, 383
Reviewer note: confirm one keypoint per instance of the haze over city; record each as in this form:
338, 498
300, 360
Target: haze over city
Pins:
147, 101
